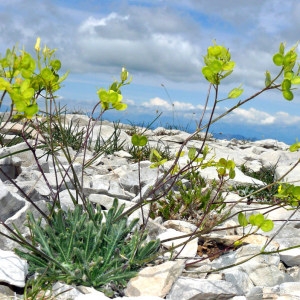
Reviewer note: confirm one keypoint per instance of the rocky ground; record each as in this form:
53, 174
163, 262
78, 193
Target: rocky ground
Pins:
272, 276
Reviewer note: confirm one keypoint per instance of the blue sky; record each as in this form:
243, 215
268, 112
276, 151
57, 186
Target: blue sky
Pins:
162, 42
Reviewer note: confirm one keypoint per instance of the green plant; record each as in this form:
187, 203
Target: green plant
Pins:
218, 66
189, 198
85, 246
112, 144
80, 246
146, 152
67, 134
254, 191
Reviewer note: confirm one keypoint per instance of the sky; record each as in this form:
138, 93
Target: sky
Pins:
162, 44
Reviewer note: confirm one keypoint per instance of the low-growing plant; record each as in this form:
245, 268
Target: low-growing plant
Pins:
254, 192
67, 133
112, 144
86, 246
154, 154
188, 200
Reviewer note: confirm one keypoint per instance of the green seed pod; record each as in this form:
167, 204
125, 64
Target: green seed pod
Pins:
288, 95
278, 59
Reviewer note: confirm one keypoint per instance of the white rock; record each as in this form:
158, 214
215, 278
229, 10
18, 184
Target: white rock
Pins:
155, 281
190, 288
189, 250
13, 269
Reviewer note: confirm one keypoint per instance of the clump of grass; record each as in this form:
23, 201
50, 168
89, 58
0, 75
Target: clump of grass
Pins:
267, 175
112, 144
139, 154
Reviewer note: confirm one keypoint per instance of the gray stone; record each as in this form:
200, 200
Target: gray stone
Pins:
6, 292
19, 220
239, 278
10, 168
155, 281
63, 291
198, 289
187, 250
105, 132
10, 203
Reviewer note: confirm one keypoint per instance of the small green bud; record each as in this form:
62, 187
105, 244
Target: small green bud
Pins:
268, 79
37, 46
124, 74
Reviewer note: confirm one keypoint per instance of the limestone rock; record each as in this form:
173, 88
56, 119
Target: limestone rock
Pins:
10, 203
188, 250
13, 269
190, 288
155, 281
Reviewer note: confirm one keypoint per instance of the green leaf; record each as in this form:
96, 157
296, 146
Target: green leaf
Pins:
31, 110
252, 220
120, 106
55, 64
289, 75
295, 80
235, 93
288, 95
221, 171
208, 74
295, 147
231, 173
290, 59
267, 225
296, 192
4, 84
28, 94
257, 219
26, 73
230, 164
229, 66
158, 163
242, 219
24, 85
214, 50
278, 59
192, 153
215, 66
139, 140
286, 85
47, 74
154, 153
222, 162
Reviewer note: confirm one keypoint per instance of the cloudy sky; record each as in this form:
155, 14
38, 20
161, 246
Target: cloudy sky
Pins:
162, 43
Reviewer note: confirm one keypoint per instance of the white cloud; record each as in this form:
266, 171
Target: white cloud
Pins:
129, 101
167, 105
287, 118
92, 23
254, 116
158, 102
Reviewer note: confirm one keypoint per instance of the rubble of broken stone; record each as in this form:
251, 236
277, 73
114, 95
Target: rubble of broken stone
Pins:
190, 276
